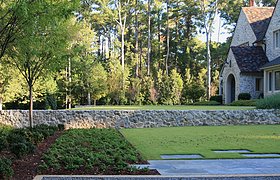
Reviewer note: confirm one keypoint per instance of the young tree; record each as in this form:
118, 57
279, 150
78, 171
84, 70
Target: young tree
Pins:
41, 42
97, 81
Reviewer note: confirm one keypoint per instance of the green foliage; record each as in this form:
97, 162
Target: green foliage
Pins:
176, 84
100, 149
117, 82
218, 98
244, 103
207, 103
97, 81
4, 131
6, 170
164, 88
270, 102
148, 91
22, 141
244, 96
22, 148
134, 94
194, 92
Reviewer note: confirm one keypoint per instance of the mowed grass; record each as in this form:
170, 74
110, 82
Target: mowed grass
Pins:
202, 140
154, 107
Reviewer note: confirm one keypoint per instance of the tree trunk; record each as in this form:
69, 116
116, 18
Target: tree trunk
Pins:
1, 103
149, 38
208, 66
136, 40
88, 98
30, 105
167, 37
159, 40
70, 81
94, 102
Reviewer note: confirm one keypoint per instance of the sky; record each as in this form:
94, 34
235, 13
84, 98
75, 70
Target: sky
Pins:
216, 36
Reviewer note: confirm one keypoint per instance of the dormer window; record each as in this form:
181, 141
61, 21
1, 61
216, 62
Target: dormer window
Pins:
276, 39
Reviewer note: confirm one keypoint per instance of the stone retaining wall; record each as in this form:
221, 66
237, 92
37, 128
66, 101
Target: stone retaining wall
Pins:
141, 119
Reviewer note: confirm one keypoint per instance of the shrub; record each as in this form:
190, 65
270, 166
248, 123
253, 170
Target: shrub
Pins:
217, 98
4, 131
22, 141
244, 96
271, 102
193, 92
6, 170
22, 148
207, 103
3, 143
244, 103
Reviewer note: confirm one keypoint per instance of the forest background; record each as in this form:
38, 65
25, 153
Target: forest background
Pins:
76, 52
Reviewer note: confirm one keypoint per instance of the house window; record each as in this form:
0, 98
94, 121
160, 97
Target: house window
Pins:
270, 81
277, 80
258, 84
276, 39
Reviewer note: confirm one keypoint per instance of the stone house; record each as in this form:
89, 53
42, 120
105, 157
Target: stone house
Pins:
253, 62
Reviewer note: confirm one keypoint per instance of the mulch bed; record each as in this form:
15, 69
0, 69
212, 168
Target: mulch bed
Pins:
26, 167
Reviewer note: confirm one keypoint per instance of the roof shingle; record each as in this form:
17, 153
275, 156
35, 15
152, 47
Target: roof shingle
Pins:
249, 59
259, 19
274, 62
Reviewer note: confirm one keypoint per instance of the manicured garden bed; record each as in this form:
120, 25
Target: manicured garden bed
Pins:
21, 150
202, 140
165, 107
91, 152
26, 153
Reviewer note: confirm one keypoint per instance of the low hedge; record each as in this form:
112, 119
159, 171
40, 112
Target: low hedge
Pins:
244, 96
22, 141
217, 98
270, 102
207, 103
244, 103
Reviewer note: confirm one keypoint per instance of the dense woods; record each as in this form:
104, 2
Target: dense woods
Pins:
63, 53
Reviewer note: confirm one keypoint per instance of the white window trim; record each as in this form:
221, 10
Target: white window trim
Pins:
274, 79
275, 39
269, 80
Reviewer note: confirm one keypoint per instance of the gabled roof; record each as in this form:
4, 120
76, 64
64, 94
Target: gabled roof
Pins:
259, 19
250, 59
274, 62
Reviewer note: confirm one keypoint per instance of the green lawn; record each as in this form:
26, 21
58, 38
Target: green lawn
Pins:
201, 140
151, 107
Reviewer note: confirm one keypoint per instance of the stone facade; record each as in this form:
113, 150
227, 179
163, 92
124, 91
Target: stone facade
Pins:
243, 32
230, 68
248, 85
140, 119
274, 25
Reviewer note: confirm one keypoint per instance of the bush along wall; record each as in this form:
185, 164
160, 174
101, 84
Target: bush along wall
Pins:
270, 102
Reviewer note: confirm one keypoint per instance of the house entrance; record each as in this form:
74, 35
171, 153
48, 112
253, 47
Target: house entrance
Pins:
230, 95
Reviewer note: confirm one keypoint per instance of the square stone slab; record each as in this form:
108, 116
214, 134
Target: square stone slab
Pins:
261, 155
186, 156
232, 151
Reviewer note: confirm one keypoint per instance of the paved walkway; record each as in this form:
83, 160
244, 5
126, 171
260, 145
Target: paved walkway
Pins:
216, 167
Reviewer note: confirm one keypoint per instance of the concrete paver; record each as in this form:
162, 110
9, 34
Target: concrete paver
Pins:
216, 167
